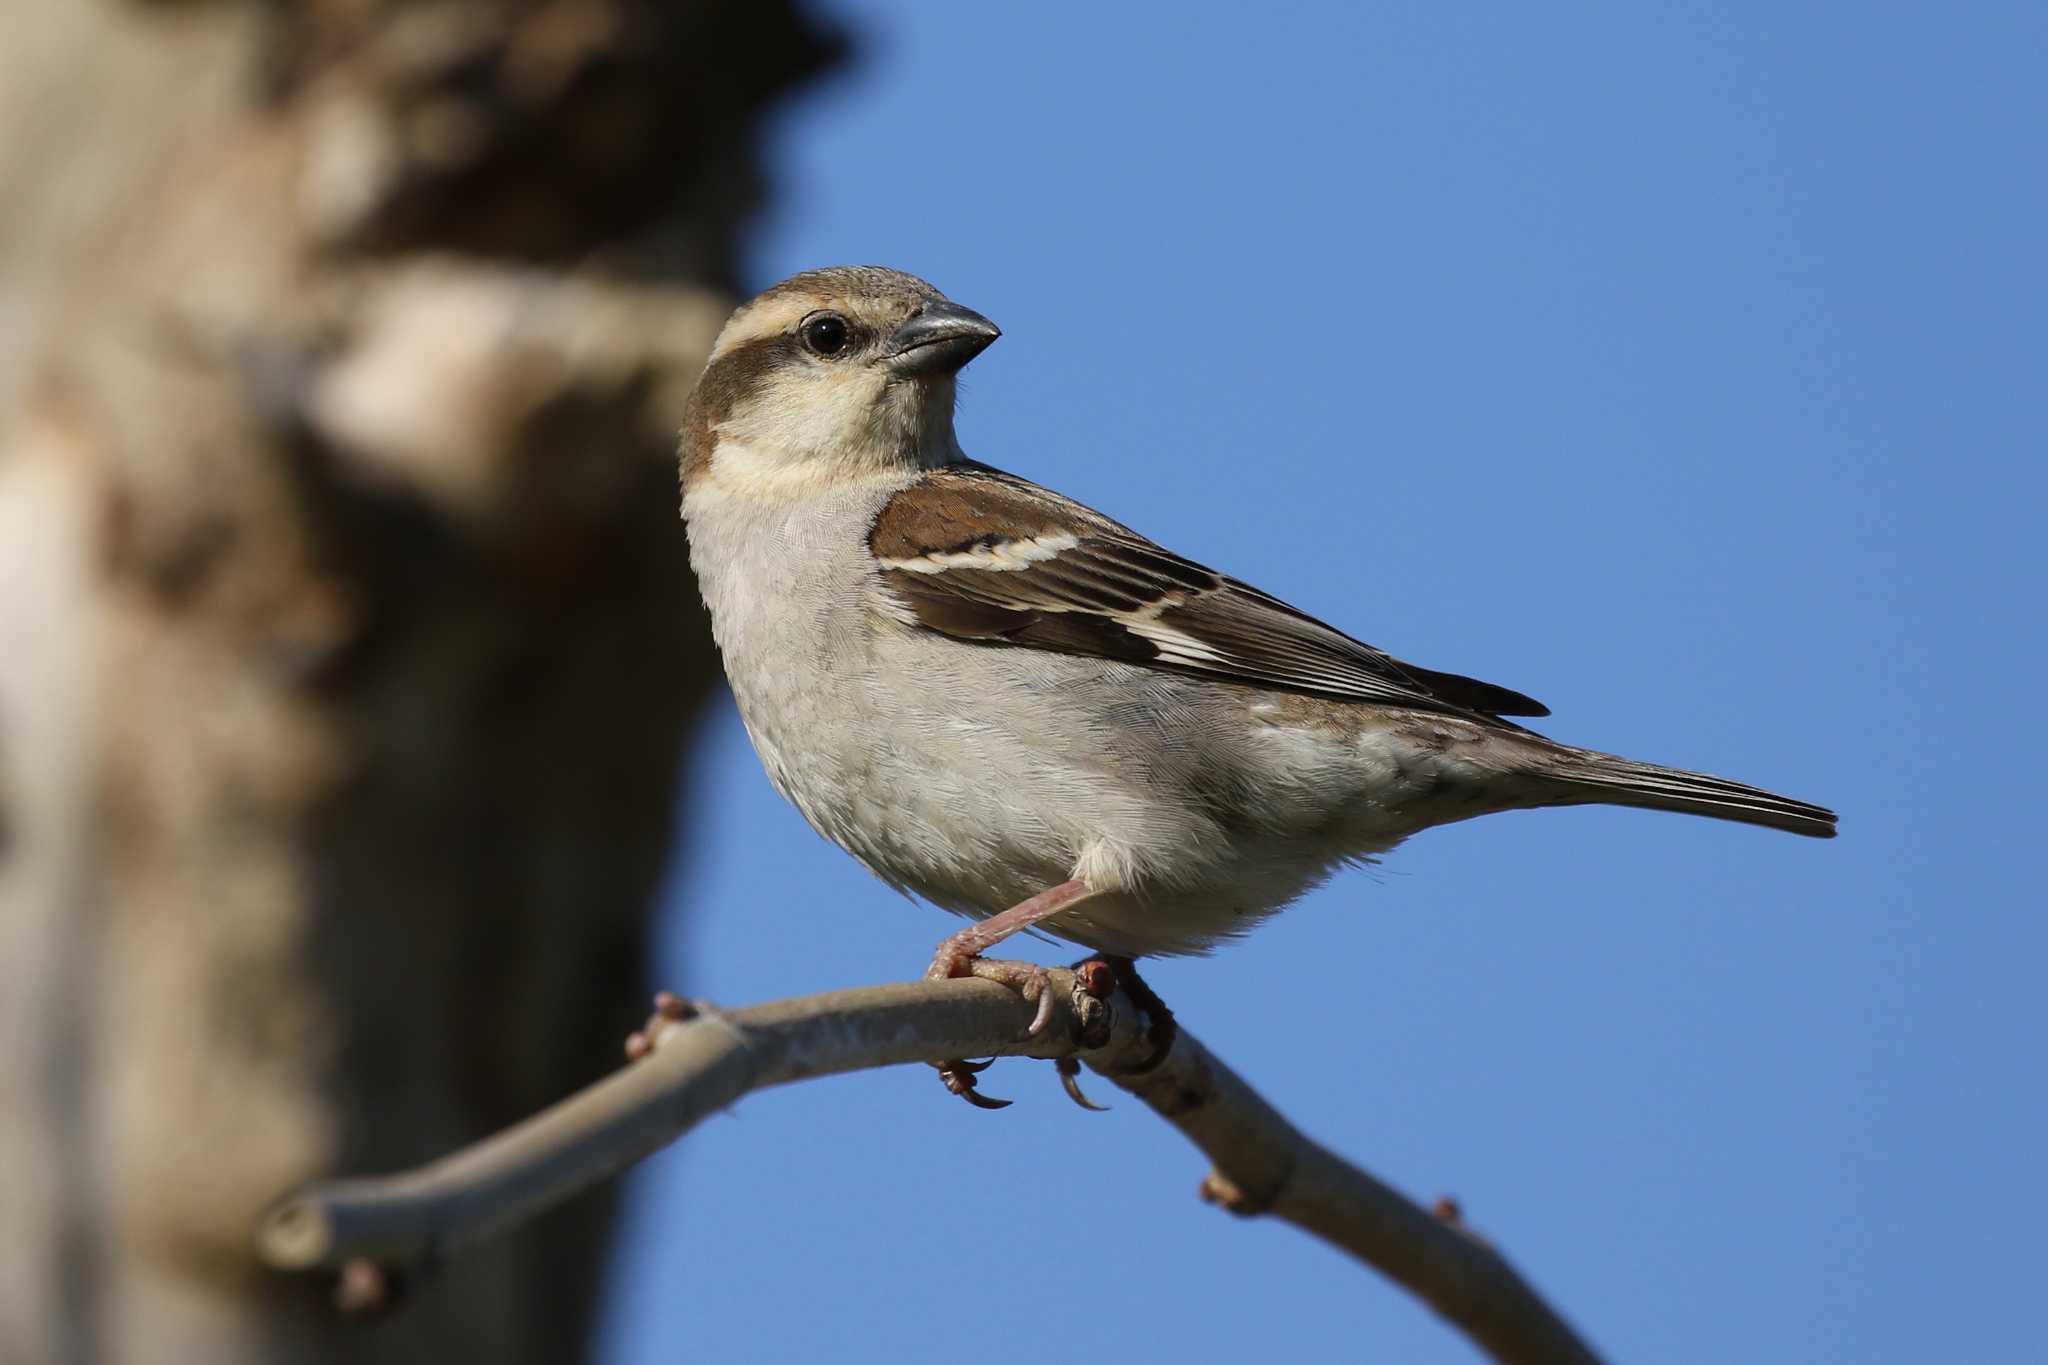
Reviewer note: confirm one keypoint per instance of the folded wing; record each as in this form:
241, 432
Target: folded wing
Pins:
983, 556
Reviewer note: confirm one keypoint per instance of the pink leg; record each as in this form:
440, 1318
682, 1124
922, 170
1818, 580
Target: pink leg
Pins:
955, 951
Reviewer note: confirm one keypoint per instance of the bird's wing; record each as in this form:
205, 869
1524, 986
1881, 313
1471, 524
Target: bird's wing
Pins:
983, 556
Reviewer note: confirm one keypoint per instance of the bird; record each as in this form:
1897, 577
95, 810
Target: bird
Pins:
1031, 715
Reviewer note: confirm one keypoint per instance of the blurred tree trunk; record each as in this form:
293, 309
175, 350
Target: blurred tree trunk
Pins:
348, 649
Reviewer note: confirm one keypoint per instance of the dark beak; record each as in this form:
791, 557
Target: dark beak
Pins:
940, 339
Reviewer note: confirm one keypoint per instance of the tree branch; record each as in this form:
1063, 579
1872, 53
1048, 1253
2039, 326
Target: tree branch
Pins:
698, 1066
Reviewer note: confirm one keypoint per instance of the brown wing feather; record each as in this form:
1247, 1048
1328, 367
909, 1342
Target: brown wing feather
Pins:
984, 556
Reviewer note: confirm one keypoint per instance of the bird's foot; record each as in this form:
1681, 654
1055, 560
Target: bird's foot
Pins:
1028, 979
961, 955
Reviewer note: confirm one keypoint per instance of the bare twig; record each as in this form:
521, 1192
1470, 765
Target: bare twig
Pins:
701, 1064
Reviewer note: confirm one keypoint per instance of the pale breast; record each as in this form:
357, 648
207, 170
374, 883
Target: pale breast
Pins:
977, 775
783, 580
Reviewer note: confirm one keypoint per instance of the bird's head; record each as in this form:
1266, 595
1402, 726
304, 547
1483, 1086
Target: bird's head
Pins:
832, 373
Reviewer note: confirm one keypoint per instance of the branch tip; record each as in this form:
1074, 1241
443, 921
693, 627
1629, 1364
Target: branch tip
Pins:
1226, 1194
366, 1289
296, 1234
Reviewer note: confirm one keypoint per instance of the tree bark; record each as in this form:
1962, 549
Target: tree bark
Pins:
348, 648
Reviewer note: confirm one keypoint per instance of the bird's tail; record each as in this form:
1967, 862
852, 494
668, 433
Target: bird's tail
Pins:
1584, 777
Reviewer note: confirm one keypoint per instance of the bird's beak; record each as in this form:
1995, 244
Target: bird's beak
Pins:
940, 339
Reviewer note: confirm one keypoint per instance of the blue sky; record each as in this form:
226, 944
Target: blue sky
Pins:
1681, 366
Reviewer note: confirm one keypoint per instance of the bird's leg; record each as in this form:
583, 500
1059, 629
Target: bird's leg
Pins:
960, 955
956, 953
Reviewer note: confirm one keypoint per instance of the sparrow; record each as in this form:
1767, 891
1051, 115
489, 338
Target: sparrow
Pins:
1029, 714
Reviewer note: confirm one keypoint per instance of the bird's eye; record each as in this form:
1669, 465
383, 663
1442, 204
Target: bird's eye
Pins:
827, 334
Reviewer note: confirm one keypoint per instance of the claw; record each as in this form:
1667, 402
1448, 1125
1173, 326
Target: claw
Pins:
958, 1077
1041, 987
981, 1101
1070, 1071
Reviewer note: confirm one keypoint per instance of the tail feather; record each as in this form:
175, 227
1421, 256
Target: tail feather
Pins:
1588, 778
